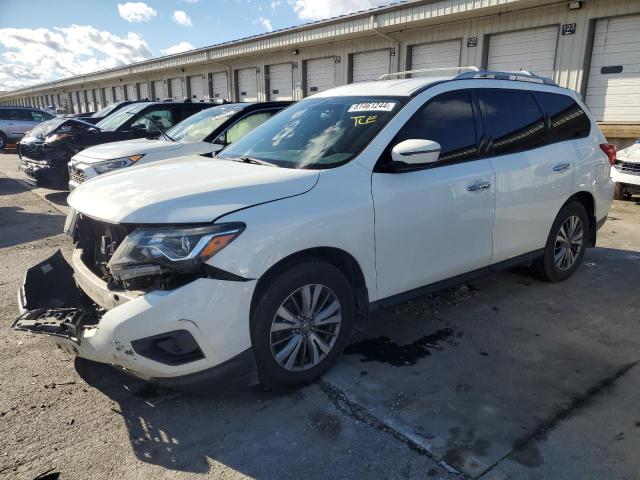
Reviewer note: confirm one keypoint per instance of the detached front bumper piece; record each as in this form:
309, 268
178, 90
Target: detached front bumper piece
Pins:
192, 338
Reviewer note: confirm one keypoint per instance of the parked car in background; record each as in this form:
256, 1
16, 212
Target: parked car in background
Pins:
95, 117
16, 121
626, 172
366, 194
45, 152
204, 133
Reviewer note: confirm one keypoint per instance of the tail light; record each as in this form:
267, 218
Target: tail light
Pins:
611, 152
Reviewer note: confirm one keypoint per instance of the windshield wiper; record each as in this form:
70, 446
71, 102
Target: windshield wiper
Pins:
166, 136
254, 161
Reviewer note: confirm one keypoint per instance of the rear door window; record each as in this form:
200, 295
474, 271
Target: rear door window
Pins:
155, 120
567, 120
513, 122
244, 126
449, 120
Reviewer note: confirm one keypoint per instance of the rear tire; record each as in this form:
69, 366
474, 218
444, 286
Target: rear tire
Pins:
3, 141
301, 322
565, 246
619, 193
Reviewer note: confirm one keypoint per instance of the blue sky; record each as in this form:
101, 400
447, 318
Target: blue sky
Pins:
45, 40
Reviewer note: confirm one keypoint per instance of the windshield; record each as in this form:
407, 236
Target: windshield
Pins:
199, 126
115, 121
103, 112
317, 132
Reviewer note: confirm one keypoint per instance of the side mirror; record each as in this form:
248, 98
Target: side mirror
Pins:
138, 127
416, 152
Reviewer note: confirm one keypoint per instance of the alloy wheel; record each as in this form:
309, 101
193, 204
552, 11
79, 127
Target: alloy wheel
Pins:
569, 243
305, 327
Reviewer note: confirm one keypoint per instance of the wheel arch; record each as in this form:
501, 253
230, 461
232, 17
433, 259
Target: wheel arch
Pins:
587, 200
339, 258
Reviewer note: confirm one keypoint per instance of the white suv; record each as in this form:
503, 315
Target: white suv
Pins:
363, 195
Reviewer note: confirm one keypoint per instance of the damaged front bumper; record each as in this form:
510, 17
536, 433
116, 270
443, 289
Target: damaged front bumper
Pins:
196, 334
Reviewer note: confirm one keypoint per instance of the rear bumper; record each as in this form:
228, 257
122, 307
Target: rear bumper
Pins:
93, 322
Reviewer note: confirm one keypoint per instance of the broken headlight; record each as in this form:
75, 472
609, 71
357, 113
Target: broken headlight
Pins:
152, 251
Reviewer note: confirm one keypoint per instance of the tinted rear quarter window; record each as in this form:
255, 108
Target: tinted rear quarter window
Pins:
567, 119
448, 120
513, 122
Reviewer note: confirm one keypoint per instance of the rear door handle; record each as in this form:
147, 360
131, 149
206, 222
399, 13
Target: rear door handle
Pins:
561, 167
479, 186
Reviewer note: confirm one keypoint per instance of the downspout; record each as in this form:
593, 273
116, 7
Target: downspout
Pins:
395, 63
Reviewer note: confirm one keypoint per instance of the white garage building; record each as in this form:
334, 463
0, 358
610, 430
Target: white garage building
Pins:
592, 46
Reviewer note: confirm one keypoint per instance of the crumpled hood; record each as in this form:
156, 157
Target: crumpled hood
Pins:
126, 148
630, 154
191, 190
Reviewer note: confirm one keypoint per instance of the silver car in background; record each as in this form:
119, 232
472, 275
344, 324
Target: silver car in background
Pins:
16, 121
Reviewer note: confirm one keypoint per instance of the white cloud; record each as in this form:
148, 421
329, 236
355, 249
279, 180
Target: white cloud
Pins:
136, 12
318, 10
266, 23
190, 1
177, 48
275, 4
181, 18
40, 55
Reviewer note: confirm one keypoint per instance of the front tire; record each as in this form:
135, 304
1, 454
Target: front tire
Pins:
3, 141
619, 193
565, 246
301, 322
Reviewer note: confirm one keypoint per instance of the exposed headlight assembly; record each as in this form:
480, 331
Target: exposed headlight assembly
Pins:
152, 251
116, 163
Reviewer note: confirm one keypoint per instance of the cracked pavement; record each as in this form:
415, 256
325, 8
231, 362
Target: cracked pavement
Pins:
504, 378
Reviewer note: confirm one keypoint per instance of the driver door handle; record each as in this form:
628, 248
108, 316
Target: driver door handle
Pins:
561, 167
479, 186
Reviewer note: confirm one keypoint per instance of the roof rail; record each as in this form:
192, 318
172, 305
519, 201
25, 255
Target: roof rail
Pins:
520, 76
386, 76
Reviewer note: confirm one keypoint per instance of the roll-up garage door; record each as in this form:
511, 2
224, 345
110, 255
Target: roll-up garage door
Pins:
97, 99
88, 101
614, 77
435, 55
117, 94
320, 75
143, 89
108, 95
131, 92
175, 85
220, 85
158, 90
247, 85
196, 88
76, 103
280, 82
533, 50
370, 65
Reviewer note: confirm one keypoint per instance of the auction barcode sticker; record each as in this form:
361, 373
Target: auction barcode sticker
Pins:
372, 107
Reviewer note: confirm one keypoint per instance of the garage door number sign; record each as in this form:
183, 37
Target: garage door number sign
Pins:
569, 29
